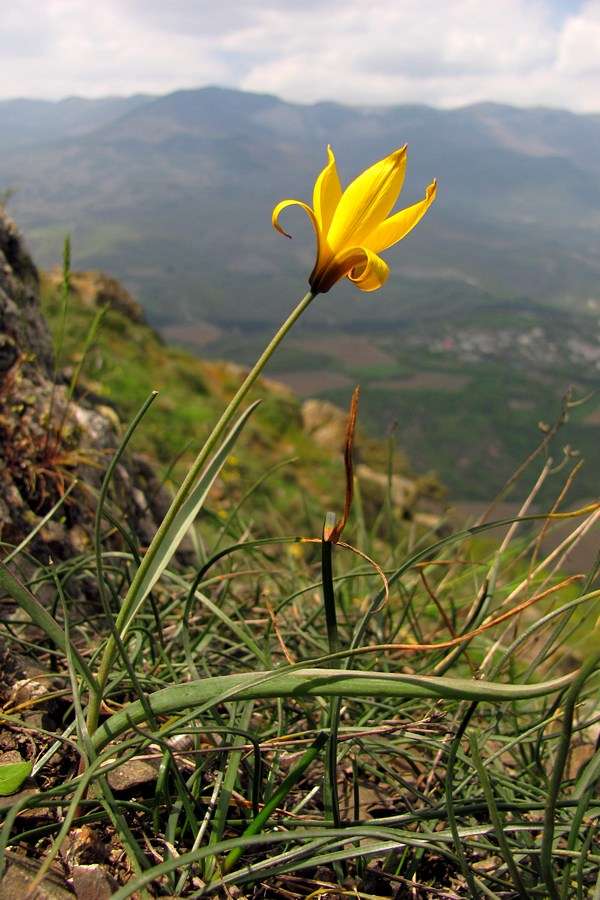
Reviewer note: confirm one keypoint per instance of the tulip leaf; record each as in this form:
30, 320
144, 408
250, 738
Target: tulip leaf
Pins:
12, 776
297, 681
172, 536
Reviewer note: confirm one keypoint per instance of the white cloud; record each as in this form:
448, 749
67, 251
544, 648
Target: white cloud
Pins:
441, 52
579, 48
435, 52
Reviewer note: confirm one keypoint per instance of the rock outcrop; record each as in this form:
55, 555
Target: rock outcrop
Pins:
54, 447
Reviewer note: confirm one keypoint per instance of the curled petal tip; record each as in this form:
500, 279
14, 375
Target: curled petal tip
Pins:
275, 216
281, 231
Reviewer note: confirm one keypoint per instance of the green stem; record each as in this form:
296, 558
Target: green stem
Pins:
330, 792
495, 818
333, 638
298, 681
122, 623
257, 824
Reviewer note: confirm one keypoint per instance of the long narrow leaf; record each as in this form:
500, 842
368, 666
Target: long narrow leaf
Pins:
311, 682
186, 515
277, 799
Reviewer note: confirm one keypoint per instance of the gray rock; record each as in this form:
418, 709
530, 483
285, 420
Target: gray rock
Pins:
49, 442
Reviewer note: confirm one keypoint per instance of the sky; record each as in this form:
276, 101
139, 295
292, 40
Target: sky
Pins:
443, 53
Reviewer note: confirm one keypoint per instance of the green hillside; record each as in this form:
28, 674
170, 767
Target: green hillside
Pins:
215, 690
465, 396
129, 360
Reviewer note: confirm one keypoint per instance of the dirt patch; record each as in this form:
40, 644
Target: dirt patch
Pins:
191, 334
594, 417
252, 264
309, 383
426, 381
355, 350
521, 404
580, 556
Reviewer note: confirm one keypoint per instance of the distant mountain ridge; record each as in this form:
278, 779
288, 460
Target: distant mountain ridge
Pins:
173, 195
493, 306
535, 131
24, 121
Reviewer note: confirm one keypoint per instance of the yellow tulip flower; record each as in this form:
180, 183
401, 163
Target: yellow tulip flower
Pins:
352, 227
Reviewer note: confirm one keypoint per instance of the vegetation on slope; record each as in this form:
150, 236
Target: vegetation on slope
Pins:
293, 716
129, 360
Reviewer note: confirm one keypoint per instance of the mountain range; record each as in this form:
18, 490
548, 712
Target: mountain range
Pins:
173, 195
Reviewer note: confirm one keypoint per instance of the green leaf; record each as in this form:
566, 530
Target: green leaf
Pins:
12, 776
297, 681
167, 542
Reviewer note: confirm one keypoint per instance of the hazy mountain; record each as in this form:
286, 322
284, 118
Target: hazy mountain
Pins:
173, 195
30, 121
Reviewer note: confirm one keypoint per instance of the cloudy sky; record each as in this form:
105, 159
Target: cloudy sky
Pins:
444, 53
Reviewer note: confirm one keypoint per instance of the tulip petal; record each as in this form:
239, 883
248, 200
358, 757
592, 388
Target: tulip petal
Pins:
327, 194
364, 269
396, 227
367, 201
371, 274
285, 203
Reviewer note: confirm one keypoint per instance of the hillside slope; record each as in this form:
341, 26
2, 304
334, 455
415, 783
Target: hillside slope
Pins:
299, 443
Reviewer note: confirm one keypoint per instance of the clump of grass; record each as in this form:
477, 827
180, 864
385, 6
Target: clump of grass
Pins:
311, 719
438, 737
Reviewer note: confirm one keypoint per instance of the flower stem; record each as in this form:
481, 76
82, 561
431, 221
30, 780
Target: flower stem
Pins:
333, 638
331, 800
122, 622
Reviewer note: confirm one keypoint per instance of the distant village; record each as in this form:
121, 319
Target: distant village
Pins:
534, 346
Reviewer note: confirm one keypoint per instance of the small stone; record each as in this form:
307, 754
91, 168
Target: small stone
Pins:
93, 883
11, 756
20, 874
132, 774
